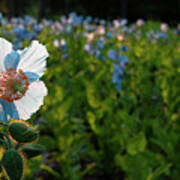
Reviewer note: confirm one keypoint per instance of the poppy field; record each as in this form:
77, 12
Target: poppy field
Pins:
112, 109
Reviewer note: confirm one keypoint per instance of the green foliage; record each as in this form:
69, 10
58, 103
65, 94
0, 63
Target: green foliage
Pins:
91, 131
32, 150
131, 134
11, 161
136, 144
13, 164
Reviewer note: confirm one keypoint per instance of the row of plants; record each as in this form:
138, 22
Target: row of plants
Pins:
112, 109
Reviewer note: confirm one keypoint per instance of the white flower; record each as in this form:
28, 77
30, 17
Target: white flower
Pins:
56, 43
140, 22
90, 36
21, 91
178, 26
116, 23
100, 30
164, 27
63, 42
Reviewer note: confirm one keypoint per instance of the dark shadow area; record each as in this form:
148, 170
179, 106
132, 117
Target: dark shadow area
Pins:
163, 10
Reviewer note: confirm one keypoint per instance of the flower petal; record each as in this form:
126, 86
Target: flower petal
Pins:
32, 101
32, 76
33, 58
5, 49
7, 111
1, 113
12, 60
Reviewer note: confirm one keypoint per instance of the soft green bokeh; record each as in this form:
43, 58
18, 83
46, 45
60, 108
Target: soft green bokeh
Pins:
91, 131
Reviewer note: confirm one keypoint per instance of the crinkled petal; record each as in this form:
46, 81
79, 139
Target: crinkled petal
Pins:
32, 59
32, 101
12, 60
7, 111
5, 49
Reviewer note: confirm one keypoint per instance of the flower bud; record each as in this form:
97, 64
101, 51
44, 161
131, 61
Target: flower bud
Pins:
13, 164
22, 133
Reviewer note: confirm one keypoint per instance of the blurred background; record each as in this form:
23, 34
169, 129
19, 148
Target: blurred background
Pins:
161, 10
113, 105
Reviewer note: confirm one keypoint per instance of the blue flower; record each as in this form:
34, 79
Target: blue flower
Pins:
124, 48
100, 44
160, 35
89, 48
109, 35
76, 20
123, 60
20, 32
21, 91
117, 77
97, 54
1, 16
88, 20
102, 22
119, 63
112, 54
69, 28
37, 28
116, 57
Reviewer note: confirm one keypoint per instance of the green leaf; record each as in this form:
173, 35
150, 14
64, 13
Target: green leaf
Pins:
32, 150
64, 107
159, 171
92, 95
136, 144
137, 167
92, 121
50, 170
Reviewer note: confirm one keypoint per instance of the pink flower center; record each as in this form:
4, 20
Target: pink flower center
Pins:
13, 84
